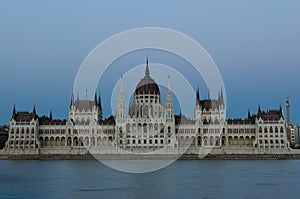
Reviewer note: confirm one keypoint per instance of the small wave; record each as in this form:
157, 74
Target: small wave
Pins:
265, 184
104, 189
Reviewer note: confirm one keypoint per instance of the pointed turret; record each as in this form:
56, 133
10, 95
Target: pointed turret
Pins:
95, 100
280, 110
249, 114
147, 71
208, 94
14, 111
259, 109
169, 92
50, 115
198, 96
100, 107
221, 97
34, 110
72, 100
99, 102
169, 102
121, 103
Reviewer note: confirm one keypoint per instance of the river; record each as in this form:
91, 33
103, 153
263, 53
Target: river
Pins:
182, 179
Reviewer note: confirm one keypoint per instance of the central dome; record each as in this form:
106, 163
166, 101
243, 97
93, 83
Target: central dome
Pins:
147, 85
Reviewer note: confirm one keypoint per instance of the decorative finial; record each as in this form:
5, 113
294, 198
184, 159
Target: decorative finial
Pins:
197, 94
99, 101
208, 94
121, 84
169, 83
34, 110
147, 72
14, 110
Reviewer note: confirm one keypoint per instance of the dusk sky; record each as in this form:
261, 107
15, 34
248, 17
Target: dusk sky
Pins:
255, 44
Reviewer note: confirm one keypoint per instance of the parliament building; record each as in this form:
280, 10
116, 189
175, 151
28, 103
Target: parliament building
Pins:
148, 126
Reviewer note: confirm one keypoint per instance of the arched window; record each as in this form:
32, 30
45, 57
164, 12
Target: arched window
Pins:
281, 129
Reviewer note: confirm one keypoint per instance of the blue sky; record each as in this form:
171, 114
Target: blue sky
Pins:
255, 45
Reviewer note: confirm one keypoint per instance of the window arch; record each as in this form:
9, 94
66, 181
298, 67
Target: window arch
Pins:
169, 129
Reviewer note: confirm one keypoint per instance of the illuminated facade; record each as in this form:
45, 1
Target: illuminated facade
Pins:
148, 126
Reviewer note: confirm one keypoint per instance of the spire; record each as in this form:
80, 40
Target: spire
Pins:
14, 111
147, 71
280, 110
222, 98
169, 84
86, 94
121, 85
72, 100
99, 102
208, 94
249, 114
169, 102
77, 97
169, 92
50, 115
95, 100
121, 103
259, 109
198, 96
288, 107
34, 111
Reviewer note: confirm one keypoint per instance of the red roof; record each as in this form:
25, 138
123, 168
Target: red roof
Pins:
147, 85
84, 105
24, 116
209, 104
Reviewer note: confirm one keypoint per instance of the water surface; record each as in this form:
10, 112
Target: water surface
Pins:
182, 179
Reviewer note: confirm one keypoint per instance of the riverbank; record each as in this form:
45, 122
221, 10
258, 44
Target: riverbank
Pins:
151, 157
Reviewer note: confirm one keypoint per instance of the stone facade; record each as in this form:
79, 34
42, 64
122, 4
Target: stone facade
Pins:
3, 136
148, 126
